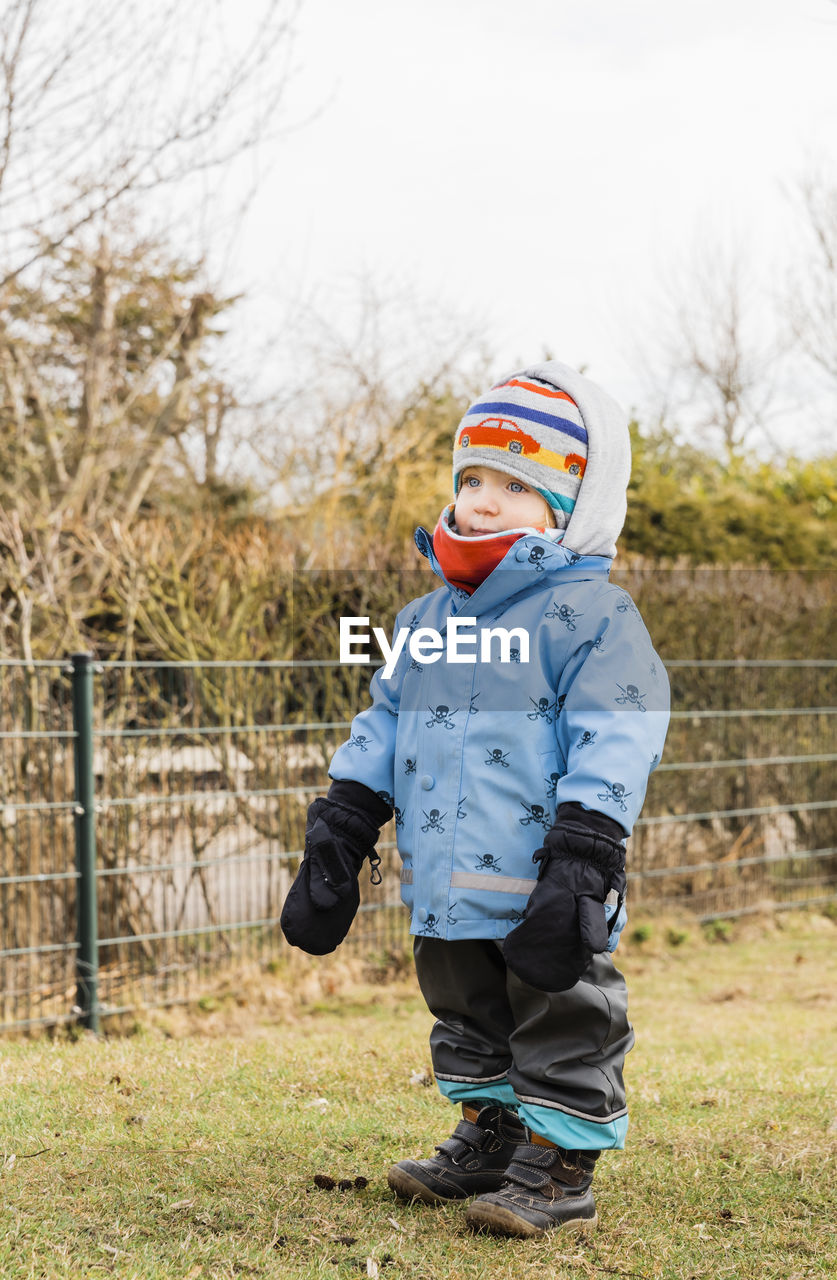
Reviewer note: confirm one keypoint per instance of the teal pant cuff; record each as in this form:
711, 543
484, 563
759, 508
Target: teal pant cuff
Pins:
469, 1090
573, 1133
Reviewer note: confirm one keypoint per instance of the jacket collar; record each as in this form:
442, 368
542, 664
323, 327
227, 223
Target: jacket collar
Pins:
533, 561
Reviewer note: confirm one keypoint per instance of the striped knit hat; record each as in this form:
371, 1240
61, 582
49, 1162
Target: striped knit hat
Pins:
532, 430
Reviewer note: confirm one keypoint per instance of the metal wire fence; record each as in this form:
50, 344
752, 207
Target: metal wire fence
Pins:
146, 850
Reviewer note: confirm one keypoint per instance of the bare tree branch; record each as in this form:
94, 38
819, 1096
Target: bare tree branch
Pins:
812, 294
118, 102
714, 359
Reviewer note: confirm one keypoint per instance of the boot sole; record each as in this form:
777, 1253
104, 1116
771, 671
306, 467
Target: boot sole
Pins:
500, 1221
406, 1187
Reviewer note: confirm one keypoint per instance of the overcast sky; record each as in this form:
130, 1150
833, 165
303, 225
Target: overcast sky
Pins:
539, 166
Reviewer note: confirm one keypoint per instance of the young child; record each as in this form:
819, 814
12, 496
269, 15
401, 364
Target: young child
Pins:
513, 783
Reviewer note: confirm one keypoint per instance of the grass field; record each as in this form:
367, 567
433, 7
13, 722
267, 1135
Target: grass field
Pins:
252, 1137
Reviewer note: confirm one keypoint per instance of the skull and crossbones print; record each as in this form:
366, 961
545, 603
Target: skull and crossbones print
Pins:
615, 792
631, 696
543, 710
534, 813
434, 821
564, 613
441, 715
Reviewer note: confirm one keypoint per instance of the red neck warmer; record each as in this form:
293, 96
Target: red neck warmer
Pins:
467, 562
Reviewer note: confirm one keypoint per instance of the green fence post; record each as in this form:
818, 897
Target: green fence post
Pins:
87, 956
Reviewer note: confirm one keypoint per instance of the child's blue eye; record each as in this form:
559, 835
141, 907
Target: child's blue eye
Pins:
517, 487
472, 481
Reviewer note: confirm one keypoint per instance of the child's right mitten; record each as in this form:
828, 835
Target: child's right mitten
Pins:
565, 923
341, 832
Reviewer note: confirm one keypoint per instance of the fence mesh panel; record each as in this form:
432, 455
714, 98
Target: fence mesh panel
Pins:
203, 773
37, 855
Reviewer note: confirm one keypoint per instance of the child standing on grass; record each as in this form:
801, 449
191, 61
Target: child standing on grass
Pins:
514, 783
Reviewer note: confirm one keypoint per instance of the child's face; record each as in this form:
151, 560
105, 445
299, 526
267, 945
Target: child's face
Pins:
492, 501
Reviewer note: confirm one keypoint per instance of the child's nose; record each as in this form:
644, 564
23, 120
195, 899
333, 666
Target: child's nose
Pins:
486, 499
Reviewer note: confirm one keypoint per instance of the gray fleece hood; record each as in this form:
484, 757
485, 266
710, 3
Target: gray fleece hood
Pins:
602, 502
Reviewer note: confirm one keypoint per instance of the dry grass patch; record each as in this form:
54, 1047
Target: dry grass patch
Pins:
261, 1149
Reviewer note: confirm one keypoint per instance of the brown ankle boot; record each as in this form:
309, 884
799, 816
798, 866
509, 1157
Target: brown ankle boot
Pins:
544, 1187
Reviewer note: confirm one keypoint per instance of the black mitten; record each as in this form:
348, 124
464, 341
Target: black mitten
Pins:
341, 832
565, 924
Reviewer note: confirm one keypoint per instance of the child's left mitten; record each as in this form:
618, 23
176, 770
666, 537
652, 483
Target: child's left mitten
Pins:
566, 923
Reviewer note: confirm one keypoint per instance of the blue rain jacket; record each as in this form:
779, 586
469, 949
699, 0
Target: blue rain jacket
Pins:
476, 757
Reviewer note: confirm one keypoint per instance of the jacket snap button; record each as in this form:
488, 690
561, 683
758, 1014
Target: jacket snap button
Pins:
522, 553
422, 914
428, 782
